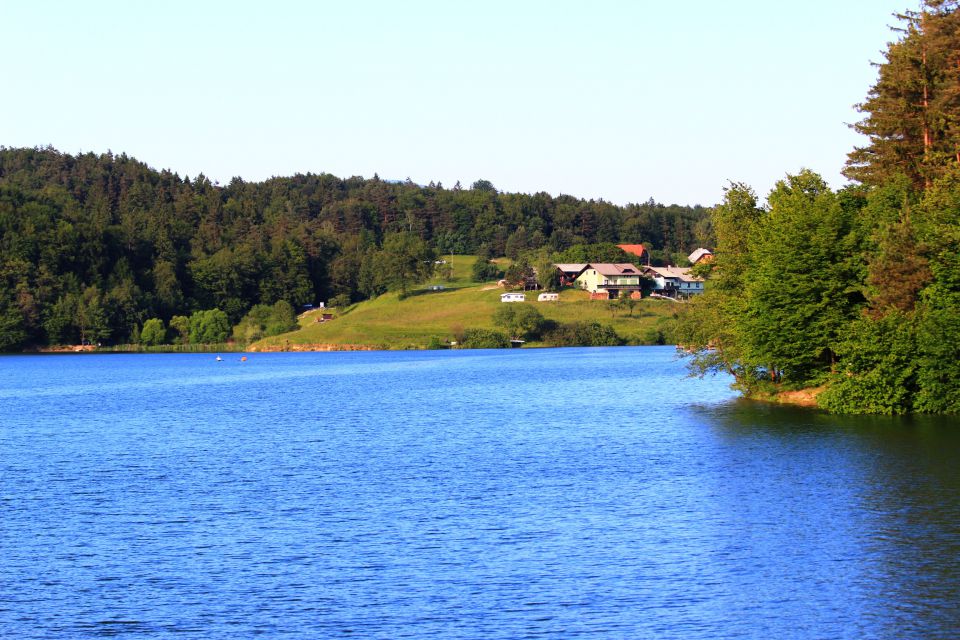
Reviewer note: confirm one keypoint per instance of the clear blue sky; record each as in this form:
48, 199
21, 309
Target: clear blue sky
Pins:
615, 99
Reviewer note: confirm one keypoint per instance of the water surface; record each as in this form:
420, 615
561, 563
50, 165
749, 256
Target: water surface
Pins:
495, 494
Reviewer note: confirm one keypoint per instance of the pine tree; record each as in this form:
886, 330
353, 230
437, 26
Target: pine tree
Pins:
913, 111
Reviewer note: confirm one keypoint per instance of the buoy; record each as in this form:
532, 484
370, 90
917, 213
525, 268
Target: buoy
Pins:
243, 359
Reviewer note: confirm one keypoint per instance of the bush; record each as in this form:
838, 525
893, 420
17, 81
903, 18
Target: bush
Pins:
282, 318
263, 321
209, 327
153, 333
484, 271
484, 339
180, 324
340, 301
583, 334
653, 335
522, 321
900, 363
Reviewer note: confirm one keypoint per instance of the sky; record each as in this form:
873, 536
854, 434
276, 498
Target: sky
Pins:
623, 100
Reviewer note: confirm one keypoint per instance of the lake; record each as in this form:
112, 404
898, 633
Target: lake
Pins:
529, 493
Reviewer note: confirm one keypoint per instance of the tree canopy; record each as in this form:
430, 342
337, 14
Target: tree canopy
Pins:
855, 291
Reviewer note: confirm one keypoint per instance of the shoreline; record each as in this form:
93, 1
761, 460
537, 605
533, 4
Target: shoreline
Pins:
806, 398
263, 348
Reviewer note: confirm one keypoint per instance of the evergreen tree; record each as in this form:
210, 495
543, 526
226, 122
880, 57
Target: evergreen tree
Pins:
913, 111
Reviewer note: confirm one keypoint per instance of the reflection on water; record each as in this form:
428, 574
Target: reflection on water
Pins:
534, 493
875, 498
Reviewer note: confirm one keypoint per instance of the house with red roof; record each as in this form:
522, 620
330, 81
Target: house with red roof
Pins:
636, 249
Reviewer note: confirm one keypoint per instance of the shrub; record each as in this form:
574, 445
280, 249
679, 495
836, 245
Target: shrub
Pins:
653, 335
181, 324
484, 339
153, 332
263, 321
522, 321
340, 301
209, 327
583, 334
484, 270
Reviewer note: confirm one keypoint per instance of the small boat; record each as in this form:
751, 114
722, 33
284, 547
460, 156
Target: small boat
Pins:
219, 359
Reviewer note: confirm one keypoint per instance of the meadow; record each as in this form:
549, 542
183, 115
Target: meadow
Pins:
428, 317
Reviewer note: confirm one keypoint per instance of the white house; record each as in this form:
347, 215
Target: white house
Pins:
610, 281
674, 282
512, 297
548, 297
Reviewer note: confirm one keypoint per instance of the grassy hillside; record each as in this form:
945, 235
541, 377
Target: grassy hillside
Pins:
390, 323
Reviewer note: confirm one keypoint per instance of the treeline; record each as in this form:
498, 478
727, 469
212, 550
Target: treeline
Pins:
856, 291
92, 246
524, 322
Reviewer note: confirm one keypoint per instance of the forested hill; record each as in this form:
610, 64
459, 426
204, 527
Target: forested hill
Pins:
95, 244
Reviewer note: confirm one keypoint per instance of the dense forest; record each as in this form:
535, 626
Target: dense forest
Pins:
855, 292
94, 246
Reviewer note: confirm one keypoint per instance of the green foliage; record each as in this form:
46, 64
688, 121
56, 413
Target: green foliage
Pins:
878, 372
209, 327
522, 321
181, 326
77, 317
548, 277
91, 316
801, 290
627, 303
340, 301
12, 334
860, 293
938, 368
483, 339
582, 334
709, 325
484, 270
265, 320
912, 112
604, 252
404, 260
153, 332
898, 363
653, 335
483, 185
519, 272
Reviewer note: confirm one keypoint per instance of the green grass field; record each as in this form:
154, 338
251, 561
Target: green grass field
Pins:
390, 323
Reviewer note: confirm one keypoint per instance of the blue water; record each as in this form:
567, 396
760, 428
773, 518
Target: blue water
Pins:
488, 494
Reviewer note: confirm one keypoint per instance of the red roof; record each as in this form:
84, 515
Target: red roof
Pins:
635, 249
